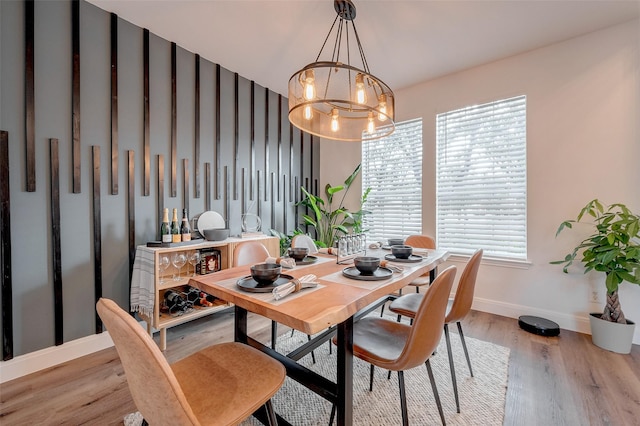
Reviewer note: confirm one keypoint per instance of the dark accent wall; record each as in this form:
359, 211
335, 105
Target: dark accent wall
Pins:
179, 130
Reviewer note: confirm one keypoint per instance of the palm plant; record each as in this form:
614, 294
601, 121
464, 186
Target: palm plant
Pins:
614, 248
331, 222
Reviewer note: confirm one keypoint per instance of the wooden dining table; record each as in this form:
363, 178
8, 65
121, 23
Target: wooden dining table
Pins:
330, 308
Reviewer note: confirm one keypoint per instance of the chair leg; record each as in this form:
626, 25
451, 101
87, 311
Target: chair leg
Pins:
144, 423
382, 310
371, 378
333, 414
403, 399
452, 367
271, 414
417, 289
464, 346
330, 347
274, 334
293, 330
435, 391
389, 375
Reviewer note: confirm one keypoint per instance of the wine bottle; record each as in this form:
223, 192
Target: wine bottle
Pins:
185, 230
175, 227
165, 229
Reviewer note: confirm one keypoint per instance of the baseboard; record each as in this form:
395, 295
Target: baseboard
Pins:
577, 323
49, 357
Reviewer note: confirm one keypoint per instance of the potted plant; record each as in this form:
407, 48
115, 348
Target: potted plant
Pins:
612, 248
332, 221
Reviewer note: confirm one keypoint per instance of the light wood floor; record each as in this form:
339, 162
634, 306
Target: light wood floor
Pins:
563, 380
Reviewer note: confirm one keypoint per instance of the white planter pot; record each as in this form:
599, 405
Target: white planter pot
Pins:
611, 336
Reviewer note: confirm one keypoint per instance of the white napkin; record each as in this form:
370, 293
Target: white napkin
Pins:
294, 286
285, 262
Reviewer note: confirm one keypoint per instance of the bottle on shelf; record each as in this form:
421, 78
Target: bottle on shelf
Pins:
175, 227
185, 230
165, 228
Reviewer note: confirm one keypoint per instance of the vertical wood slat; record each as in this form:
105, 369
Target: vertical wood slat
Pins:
29, 96
236, 134
97, 234
5, 234
243, 193
266, 143
55, 242
227, 201
290, 162
252, 150
185, 183
216, 147
258, 199
114, 104
301, 158
273, 201
207, 186
296, 192
131, 211
279, 168
160, 206
285, 209
174, 113
146, 138
196, 127
75, 95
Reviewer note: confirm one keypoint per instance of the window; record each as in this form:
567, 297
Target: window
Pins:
481, 185
392, 168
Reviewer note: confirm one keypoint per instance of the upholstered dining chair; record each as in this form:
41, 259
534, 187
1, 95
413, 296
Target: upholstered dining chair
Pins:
222, 384
249, 253
457, 309
398, 347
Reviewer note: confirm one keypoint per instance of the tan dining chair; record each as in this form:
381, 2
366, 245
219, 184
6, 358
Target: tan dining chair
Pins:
302, 240
219, 385
398, 347
457, 309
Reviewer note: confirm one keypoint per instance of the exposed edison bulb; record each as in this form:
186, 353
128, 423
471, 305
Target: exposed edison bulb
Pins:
308, 112
382, 107
361, 95
371, 127
335, 126
309, 85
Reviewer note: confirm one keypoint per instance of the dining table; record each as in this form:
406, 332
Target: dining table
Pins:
329, 309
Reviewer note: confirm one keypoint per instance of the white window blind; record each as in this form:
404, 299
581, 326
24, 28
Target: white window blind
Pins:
392, 168
481, 179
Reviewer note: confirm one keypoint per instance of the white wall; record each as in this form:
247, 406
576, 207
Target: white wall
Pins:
583, 140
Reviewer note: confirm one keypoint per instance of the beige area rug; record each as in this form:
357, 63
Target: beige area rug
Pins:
482, 397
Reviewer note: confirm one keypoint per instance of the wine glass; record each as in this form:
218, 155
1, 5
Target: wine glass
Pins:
194, 258
178, 260
163, 263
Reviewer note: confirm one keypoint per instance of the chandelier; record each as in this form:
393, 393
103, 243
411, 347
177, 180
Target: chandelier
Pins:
336, 100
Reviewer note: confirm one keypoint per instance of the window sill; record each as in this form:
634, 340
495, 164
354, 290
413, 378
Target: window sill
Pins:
493, 261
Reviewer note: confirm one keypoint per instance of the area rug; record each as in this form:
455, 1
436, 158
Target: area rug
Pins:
482, 397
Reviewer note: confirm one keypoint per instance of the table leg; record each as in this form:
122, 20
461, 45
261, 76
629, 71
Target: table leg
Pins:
345, 373
240, 320
432, 275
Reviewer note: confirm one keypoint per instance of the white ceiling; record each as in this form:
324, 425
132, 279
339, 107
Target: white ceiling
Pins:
405, 41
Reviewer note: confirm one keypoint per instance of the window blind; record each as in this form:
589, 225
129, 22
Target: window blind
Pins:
392, 168
481, 179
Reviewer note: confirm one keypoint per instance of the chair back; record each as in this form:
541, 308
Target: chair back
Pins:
249, 253
302, 240
420, 241
155, 389
428, 323
466, 287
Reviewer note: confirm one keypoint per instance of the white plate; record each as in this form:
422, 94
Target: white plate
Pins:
210, 220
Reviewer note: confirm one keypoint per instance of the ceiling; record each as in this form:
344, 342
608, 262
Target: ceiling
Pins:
405, 41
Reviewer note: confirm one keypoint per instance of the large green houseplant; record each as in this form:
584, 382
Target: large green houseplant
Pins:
331, 221
613, 248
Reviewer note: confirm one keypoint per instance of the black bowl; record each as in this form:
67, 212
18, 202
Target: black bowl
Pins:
395, 241
401, 251
367, 265
265, 273
298, 253
215, 234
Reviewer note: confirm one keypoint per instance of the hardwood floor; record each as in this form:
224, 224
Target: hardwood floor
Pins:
563, 380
